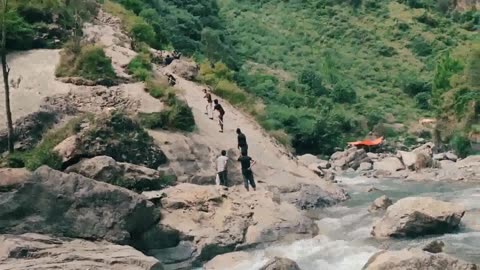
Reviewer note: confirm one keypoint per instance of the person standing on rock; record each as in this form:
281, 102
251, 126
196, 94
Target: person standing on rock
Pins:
221, 113
242, 142
247, 164
209, 107
222, 161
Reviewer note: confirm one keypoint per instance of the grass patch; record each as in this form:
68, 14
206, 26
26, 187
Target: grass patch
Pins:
86, 61
43, 153
176, 116
141, 66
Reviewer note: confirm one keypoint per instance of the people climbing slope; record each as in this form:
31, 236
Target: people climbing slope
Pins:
209, 106
221, 113
247, 163
222, 162
242, 142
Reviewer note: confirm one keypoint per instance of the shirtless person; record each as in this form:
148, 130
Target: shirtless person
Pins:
209, 107
221, 113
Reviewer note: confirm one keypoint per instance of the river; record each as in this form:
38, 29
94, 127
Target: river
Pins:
344, 242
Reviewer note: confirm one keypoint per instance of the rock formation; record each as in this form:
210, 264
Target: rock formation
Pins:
41, 252
280, 264
418, 216
381, 203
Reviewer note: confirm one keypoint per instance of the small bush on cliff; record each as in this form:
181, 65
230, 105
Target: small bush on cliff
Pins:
176, 116
89, 62
140, 66
461, 145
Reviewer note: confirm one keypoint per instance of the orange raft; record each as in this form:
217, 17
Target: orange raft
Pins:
375, 142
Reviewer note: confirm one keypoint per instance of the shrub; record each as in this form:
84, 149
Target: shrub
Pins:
93, 64
157, 89
177, 116
20, 33
313, 81
420, 46
142, 32
343, 93
90, 63
461, 145
423, 100
415, 86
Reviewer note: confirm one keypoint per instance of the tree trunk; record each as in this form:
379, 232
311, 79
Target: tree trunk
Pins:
6, 71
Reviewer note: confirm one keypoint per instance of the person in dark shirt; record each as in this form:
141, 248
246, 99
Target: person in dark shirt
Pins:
168, 60
242, 142
209, 107
221, 113
247, 163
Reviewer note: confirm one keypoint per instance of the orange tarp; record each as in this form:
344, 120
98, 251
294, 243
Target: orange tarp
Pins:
375, 142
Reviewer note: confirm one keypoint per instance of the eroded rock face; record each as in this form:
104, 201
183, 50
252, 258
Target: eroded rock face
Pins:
41, 252
133, 177
280, 264
415, 259
217, 222
417, 216
71, 205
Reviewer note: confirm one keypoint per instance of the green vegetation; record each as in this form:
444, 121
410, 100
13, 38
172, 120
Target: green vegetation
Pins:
88, 61
141, 66
41, 24
43, 153
177, 115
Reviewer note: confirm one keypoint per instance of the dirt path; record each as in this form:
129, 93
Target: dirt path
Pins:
275, 164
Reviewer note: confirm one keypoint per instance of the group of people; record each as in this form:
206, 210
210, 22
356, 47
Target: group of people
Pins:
222, 161
212, 106
245, 160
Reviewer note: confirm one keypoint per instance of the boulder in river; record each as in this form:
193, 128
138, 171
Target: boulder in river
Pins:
408, 159
278, 263
365, 166
418, 216
389, 164
41, 252
416, 259
435, 246
381, 203
71, 205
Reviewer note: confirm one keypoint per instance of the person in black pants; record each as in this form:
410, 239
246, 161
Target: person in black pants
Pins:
247, 163
242, 142
221, 113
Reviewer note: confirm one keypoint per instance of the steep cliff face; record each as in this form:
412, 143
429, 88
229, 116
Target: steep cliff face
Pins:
465, 5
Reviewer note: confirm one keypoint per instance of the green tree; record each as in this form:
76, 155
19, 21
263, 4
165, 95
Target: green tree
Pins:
142, 32
313, 81
473, 67
423, 100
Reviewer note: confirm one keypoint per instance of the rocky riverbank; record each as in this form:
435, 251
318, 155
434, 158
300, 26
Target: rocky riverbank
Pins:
420, 164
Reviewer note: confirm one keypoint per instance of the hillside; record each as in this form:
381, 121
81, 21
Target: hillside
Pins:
369, 62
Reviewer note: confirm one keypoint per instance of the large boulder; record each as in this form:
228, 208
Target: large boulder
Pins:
278, 263
350, 158
11, 179
381, 203
185, 69
416, 259
225, 261
389, 164
215, 222
41, 252
308, 159
417, 216
71, 205
307, 196
133, 177
408, 159
116, 135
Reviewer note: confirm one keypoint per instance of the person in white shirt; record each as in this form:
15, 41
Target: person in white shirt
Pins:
222, 168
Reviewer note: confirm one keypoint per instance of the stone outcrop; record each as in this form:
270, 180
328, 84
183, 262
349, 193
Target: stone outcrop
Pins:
280, 264
112, 134
133, 177
389, 164
408, 158
71, 205
435, 246
417, 216
381, 203
11, 179
185, 69
41, 252
350, 158
416, 259
213, 222
225, 261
